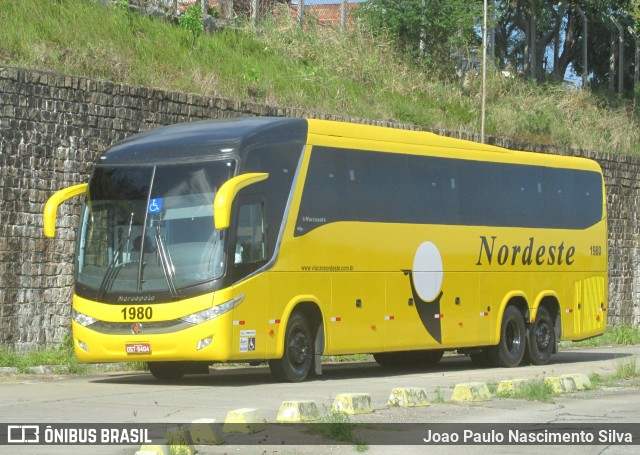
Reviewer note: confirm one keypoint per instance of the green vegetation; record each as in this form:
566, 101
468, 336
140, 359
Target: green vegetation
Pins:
61, 359
428, 29
352, 73
534, 391
618, 335
191, 20
439, 397
347, 358
493, 388
337, 426
625, 371
626, 374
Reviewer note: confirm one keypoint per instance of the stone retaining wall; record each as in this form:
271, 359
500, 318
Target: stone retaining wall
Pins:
52, 129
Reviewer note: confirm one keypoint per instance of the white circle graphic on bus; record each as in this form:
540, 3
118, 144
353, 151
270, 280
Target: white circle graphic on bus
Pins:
427, 271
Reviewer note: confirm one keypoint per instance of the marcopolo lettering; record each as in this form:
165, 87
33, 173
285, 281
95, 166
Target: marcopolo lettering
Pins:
527, 254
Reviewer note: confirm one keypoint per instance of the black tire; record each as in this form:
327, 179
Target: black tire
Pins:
297, 361
167, 371
542, 339
390, 359
429, 358
513, 335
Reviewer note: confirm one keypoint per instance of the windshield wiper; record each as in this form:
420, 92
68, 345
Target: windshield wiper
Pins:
112, 270
167, 264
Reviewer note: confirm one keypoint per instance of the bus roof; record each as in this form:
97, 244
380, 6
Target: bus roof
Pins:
211, 139
207, 139
325, 130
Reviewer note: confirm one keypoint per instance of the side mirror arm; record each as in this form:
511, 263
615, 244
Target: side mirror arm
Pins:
51, 207
227, 193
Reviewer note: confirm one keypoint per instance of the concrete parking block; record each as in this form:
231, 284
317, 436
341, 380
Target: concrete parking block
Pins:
148, 449
510, 387
206, 431
298, 411
244, 420
178, 440
561, 384
471, 391
353, 403
408, 396
555, 383
581, 380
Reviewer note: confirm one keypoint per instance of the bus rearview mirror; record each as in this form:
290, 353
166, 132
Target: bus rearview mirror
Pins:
227, 193
51, 207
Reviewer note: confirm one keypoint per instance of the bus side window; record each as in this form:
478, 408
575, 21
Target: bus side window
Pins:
250, 249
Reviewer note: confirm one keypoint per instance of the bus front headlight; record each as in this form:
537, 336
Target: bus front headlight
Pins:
213, 312
82, 319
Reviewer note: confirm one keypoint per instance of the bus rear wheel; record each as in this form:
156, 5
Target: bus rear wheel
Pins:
542, 338
297, 360
511, 347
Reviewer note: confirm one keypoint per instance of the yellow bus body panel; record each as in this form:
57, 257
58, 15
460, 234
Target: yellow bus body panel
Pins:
181, 345
358, 275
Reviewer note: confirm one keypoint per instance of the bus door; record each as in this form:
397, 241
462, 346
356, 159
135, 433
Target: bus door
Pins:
248, 254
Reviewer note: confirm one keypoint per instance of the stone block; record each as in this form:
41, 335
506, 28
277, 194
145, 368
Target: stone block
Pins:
353, 403
408, 396
471, 391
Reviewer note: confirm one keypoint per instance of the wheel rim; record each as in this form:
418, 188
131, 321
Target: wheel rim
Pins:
299, 349
512, 337
543, 336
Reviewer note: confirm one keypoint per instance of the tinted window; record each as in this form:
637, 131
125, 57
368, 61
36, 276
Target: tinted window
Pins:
354, 185
280, 163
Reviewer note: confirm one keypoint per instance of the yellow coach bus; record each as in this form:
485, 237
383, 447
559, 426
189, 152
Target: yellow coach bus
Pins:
281, 240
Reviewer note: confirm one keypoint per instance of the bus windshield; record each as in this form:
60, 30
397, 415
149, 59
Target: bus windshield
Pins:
150, 228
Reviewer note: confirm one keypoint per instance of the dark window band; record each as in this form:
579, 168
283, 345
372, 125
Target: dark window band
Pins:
356, 185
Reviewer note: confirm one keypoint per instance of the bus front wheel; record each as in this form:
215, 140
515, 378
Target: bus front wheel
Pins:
297, 360
542, 338
513, 335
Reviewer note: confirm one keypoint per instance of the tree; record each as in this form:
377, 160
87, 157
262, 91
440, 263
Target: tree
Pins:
191, 19
434, 30
544, 38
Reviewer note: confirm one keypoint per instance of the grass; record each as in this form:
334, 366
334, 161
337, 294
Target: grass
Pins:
61, 358
540, 391
535, 391
439, 397
319, 69
617, 335
337, 426
624, 371
347, 358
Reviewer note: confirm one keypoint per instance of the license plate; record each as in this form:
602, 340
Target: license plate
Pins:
138, 348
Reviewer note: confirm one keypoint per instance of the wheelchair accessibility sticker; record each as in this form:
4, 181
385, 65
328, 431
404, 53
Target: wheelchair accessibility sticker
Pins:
155, 205
247, 340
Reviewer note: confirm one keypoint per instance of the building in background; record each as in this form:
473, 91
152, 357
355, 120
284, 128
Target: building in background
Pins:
327, 12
